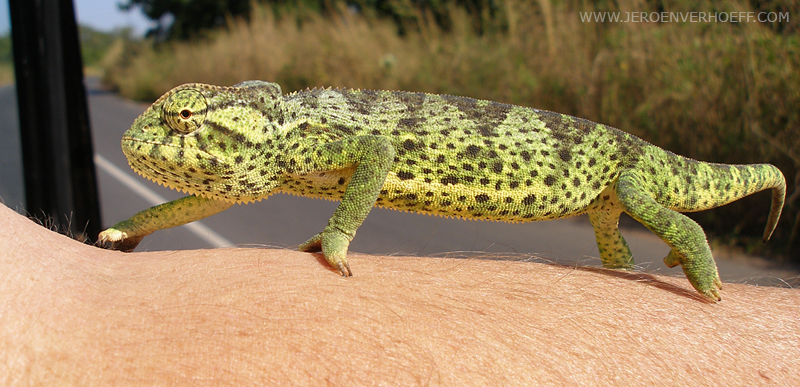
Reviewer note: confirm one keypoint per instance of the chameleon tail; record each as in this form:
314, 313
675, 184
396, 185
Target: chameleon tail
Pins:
718, 184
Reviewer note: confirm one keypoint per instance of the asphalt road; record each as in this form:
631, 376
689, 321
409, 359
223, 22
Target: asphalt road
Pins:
11, 180
286, 221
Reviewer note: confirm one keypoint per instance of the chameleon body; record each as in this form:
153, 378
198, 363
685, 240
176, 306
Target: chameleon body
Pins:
432, 154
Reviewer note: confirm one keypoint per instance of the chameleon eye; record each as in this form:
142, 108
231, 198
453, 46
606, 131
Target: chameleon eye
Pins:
185, 111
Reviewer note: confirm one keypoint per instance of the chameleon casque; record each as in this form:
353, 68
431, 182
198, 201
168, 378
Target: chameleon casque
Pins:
431, 154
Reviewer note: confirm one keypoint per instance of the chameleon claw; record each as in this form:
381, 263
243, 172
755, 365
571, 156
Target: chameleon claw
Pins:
713, 293
344, 268
705, 279
340, 263
715, 290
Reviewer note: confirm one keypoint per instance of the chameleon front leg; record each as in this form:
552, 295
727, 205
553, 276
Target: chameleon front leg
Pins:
372, 157
686, 238
126, 235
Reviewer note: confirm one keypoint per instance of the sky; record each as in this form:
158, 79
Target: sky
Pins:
103, 15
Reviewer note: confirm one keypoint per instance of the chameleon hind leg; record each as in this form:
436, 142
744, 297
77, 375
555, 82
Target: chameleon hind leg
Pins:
686, 238
614, 251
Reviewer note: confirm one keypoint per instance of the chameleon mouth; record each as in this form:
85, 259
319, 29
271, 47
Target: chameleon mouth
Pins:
156, 143
147, 165
150, 158
128, 142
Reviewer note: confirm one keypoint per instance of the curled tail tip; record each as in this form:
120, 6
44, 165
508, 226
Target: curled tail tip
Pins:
778, 197
768, 232
770, 228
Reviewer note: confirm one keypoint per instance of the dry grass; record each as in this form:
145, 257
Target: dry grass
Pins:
714, 91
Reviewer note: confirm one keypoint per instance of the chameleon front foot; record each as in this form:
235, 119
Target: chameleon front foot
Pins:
334, 248
114, 239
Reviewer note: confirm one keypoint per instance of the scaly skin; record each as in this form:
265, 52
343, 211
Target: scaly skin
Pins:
432, 154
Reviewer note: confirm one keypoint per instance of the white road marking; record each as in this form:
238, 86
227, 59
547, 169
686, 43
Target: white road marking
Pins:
201, 230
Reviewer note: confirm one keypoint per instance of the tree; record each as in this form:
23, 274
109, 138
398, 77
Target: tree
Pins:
186, 19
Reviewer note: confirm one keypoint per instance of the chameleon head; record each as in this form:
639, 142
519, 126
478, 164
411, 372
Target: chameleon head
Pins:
204, 140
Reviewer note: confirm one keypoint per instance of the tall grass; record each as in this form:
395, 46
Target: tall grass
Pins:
722, 92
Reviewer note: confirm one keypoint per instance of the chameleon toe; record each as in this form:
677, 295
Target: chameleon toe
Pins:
313, 245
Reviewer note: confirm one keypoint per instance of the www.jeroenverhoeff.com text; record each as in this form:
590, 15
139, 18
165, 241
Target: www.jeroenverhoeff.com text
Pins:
684, 17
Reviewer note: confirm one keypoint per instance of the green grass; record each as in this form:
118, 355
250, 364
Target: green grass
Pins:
721, 92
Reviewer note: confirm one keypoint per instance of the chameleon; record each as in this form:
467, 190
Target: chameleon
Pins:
425, 153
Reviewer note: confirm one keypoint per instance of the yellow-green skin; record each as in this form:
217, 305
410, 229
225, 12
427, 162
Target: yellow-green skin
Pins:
432, 154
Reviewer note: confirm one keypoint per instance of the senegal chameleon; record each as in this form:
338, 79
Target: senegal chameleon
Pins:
432, 154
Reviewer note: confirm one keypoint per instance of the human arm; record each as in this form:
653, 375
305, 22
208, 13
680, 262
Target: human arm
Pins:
77, 315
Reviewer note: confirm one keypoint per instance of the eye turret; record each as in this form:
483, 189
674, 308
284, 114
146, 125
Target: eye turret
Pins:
185, 111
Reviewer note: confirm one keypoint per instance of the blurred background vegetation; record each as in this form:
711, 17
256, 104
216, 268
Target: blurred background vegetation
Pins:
6, 60
94, 47
724, 92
